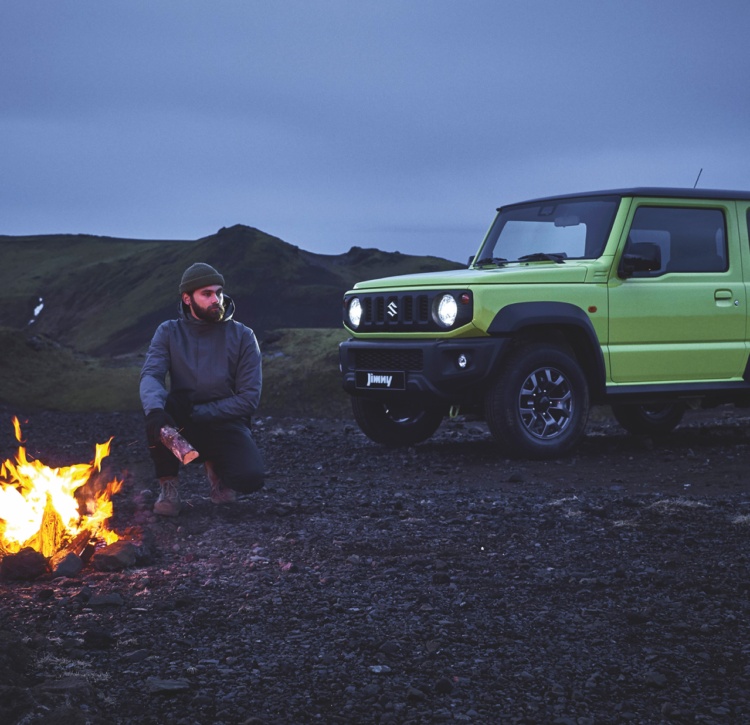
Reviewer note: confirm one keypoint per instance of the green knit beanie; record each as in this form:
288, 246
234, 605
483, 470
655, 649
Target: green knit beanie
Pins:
199, 275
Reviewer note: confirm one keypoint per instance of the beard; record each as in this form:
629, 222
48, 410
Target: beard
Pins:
213, 313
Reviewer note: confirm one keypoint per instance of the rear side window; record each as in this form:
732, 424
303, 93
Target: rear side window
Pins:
690, 240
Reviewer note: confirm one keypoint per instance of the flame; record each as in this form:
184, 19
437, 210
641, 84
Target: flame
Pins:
30, 490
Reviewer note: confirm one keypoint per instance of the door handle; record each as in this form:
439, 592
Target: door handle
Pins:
725, 298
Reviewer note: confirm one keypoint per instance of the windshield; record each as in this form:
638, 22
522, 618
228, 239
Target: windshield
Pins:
552, 230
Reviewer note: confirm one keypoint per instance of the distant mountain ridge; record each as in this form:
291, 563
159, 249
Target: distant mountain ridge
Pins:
104, 296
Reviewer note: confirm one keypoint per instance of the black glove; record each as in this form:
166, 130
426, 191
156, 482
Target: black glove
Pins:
155, 421
180, 406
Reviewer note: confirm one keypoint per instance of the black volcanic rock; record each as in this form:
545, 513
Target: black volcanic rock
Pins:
435, 583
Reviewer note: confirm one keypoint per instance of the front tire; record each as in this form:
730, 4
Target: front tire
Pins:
656, 419
395, 425
538, 406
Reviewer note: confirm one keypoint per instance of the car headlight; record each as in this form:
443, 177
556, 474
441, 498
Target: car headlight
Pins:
446, 310
355, 312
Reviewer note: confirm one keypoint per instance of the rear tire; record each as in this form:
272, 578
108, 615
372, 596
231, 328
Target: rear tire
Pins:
538, 406
395, 425
656, 419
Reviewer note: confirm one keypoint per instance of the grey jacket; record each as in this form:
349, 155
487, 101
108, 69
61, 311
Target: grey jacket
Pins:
218, 363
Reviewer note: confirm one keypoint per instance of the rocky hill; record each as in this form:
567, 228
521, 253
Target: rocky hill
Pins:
77, 313
104, 296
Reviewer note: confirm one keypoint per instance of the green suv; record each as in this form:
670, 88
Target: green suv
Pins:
635, 298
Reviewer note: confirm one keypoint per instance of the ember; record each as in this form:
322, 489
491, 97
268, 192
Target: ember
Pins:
48, 508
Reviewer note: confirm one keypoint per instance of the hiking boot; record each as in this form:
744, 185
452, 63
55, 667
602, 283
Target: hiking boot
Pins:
219, 492
168, 503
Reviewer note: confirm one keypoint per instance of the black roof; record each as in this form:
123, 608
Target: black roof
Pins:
653, 191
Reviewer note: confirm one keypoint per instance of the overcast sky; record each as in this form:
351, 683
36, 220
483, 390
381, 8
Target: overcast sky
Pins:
394, 124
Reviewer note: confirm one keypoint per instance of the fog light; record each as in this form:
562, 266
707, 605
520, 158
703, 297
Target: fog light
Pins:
462, 361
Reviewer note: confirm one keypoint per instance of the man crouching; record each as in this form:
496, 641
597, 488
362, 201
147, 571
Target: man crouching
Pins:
214, 368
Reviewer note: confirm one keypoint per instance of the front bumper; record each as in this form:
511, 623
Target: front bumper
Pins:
426, 370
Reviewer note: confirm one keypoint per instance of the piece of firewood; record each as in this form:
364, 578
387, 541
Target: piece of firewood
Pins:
178, 445
76, 546
51, 534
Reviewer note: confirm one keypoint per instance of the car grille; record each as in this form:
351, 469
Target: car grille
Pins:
396, 311
388, 359
405, 311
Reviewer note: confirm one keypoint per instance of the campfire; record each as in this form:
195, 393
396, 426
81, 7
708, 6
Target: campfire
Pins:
52, 510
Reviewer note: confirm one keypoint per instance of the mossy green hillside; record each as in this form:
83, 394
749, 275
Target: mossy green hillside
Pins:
105, 297
300, 374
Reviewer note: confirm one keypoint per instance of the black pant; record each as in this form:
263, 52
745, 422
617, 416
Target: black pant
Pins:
230, 448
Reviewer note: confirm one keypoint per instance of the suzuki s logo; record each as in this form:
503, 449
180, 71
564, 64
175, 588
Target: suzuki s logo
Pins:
392, 309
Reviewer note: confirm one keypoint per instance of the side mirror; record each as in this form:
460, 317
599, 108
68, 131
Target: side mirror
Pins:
639, 257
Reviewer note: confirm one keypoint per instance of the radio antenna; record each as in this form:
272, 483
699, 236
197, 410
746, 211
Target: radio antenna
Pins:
699, 176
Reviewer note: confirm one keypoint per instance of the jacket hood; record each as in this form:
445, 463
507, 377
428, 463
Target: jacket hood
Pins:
184, 312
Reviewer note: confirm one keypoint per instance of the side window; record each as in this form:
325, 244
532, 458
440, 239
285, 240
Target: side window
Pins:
690, 240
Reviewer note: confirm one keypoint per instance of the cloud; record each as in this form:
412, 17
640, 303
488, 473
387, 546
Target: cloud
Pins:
332, 124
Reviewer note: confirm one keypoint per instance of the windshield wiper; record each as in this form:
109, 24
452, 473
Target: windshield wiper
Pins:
499, 261
558, 257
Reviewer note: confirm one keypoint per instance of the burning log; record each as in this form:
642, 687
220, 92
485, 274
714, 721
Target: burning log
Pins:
178, 445
51, 534
76, 546
69, 559
51, 510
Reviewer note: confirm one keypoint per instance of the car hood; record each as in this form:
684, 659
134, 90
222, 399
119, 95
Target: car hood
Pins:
531, 273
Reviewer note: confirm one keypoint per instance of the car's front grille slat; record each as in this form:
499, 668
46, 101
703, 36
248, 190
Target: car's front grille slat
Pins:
396, 312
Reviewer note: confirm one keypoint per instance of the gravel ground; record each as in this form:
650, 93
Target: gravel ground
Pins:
432, 584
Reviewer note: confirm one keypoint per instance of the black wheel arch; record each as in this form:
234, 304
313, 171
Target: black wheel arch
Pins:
560, 322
